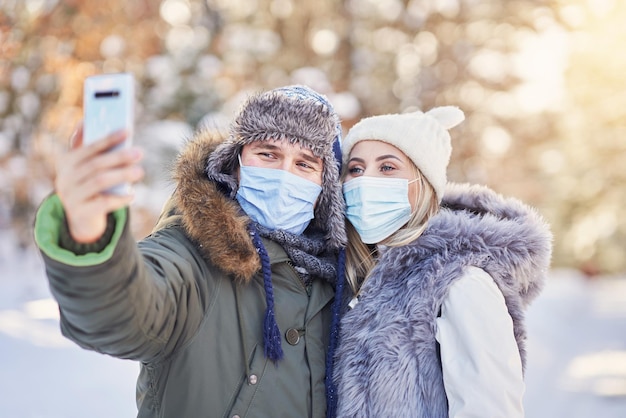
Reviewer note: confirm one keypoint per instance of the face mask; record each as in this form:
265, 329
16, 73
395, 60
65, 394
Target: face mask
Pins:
377, 207
276, 198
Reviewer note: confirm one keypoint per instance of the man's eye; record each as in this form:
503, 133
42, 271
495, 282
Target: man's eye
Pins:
306, 166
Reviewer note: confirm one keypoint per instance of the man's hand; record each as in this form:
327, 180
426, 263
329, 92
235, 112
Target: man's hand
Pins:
85, 174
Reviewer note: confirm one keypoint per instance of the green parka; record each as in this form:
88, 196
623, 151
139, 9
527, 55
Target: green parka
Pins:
188, 303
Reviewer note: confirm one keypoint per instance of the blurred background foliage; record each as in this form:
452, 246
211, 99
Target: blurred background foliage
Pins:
541, 82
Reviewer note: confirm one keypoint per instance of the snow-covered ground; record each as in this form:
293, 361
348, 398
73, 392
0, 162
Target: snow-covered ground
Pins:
42, 374
576, 351
577, 348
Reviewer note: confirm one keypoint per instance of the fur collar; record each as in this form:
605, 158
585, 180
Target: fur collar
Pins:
213, 220
504, 236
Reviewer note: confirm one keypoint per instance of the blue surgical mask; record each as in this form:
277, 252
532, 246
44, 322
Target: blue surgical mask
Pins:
276, 198
377, 206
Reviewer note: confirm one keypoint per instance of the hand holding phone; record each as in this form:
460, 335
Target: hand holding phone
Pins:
108, 105
89, 175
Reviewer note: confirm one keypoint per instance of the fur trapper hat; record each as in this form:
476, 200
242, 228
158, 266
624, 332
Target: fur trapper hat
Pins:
301, 116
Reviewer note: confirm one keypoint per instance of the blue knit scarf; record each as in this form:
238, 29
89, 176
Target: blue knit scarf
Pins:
311, 260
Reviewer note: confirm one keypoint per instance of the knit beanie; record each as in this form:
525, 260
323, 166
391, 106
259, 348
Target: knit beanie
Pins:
423, 137
304, 117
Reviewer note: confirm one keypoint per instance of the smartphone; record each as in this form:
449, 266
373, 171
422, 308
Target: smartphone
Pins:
108, 106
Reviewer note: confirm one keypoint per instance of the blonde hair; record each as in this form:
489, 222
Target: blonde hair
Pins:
361, 259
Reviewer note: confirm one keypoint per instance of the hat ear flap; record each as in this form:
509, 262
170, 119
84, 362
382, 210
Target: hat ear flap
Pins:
447, 116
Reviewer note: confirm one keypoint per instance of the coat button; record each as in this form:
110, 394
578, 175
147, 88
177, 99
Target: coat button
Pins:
252, 379
292, 336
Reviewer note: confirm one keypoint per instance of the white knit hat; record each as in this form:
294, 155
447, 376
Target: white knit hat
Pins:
423, 137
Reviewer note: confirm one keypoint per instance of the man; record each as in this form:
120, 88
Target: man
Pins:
227, 303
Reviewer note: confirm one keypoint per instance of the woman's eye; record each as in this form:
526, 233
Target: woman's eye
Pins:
386, 168
355, 170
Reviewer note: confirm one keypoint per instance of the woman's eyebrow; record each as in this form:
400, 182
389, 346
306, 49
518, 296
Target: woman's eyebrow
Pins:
384, 157
357, 159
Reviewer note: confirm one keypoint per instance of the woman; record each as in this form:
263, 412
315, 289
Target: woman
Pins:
440, 281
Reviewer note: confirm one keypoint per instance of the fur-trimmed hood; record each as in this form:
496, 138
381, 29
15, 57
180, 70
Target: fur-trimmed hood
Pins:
513, 238
474, 227
210, 217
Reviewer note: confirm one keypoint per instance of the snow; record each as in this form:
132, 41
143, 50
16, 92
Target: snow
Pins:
577, 348
576, 351
42, 374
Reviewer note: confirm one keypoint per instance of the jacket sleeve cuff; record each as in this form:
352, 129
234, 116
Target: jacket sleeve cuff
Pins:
53, 238
67, 242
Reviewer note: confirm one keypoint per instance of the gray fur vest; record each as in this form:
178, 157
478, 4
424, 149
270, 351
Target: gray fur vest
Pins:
387, 363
